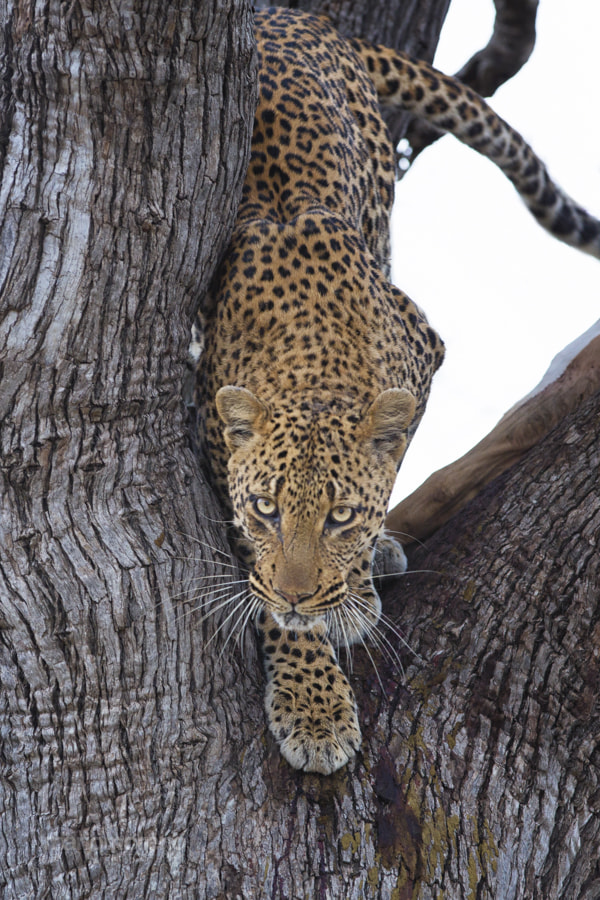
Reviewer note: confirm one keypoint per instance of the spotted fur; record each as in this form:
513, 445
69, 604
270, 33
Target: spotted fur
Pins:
316, 369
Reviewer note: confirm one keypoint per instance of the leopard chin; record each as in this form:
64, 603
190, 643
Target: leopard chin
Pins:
295, 621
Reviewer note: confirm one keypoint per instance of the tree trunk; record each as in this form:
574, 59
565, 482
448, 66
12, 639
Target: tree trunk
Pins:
134, 757
124, 142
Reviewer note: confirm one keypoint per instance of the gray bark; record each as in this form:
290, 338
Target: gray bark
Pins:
497, 747
125, 131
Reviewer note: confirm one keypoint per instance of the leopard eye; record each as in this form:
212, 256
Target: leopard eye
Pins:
341, 515
264, 506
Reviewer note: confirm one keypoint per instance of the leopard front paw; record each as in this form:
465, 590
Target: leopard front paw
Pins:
310, 704
312, 735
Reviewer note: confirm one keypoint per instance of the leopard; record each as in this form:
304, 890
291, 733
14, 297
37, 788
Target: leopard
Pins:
316, 369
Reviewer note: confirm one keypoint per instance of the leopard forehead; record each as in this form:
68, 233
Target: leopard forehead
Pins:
308, 465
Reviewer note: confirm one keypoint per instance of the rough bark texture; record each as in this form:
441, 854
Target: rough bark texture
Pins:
508, 731
134, 759
125, 131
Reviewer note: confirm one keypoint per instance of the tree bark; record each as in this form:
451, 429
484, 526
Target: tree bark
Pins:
125, 136
505, 734
134, 757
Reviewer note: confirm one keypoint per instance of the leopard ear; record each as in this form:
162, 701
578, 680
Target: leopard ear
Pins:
389, 418
242, 414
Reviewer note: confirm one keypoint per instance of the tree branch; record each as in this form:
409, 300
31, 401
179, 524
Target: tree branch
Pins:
499, 729
446, 491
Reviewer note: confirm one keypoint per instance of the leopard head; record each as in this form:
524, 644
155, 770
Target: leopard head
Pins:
309, 484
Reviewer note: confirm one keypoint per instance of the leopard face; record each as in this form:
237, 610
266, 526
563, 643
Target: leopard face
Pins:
309, 492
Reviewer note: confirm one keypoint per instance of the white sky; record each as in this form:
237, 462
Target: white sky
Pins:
504, 295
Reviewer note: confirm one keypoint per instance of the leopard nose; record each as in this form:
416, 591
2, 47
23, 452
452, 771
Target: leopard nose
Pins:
293, 597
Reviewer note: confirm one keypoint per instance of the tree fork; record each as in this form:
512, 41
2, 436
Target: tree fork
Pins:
134, 759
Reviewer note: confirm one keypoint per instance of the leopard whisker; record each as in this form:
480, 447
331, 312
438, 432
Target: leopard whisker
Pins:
216, 521
190, 596
252, 611
197, 540
338, 617
236, 629
347, 641
187, 593
406, 572
356, 617
212, 604
217, 602
200, 559
196, 578
217, 590
381, 641
385, 620
398, 634
383, 644
241, 599
405, 534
